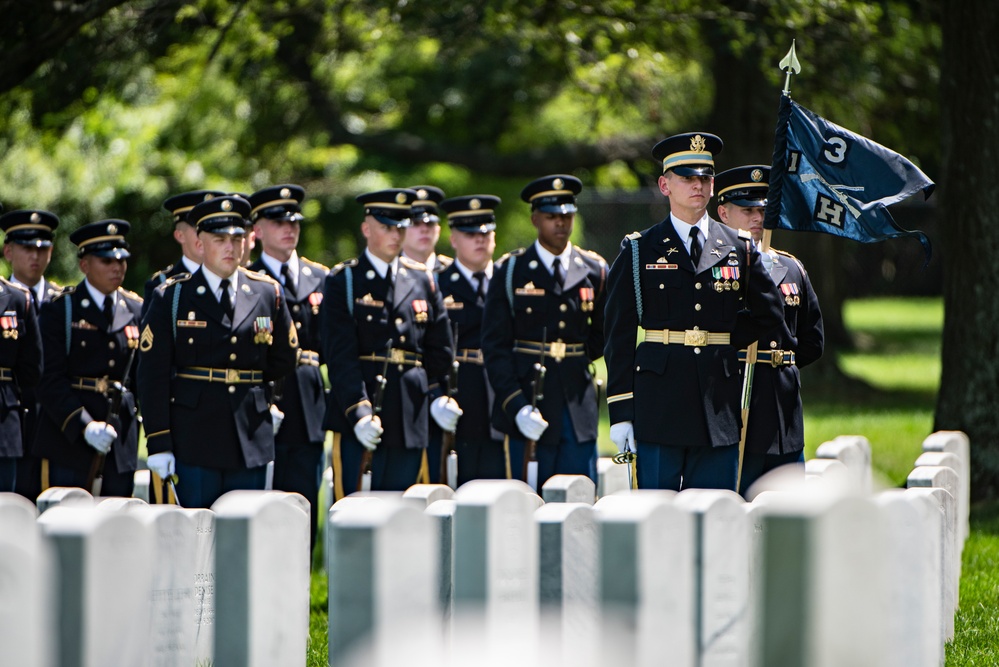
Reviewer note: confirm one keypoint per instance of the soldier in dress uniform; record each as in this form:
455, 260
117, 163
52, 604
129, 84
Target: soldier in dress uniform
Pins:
424, 230
464, 286
547, 298
775, 435
20, 348
700, 292
301, 398
185, 235
90, 333
379, 307
211, 343
28, 249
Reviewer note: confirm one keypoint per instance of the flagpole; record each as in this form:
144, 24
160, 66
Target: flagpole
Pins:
790, 65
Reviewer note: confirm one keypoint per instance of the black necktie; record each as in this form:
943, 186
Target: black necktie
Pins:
108, 310
289, 281
480, 289
224, 300
559, 275
390, 292
695, 246
34, 299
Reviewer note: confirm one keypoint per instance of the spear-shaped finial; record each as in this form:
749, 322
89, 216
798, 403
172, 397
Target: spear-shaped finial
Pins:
790, 65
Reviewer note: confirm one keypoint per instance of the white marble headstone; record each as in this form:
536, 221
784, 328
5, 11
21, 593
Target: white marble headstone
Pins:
423, 495
722, 544
567, 540
957, 443
442, 513
204, 584
569, 489
383, 578
496, 562
27, 586
946, 507
854, 451
105, 583
611, 477
262, 580
64, 495
647, 582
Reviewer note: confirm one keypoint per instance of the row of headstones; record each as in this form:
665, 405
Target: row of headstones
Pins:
817, 571
88, 582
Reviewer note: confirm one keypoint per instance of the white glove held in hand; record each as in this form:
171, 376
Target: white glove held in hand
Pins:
163, 464
100, 436
623, 435
531, 423
277, 418
445, 412
369, 431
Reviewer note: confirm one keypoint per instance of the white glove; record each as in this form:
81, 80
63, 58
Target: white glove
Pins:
531, 423
445, 411
623, 435
100, 436
369, 431
277, 418
163, 464
768, 261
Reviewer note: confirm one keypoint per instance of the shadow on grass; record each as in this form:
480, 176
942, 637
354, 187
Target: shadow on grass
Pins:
834, 392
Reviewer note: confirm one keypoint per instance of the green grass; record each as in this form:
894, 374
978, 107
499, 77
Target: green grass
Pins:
888, 394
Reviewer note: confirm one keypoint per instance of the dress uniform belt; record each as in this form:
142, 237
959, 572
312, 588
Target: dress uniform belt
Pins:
308, 358
557, 351
773, 357
469, 356
7, 375
396, 357
96, 385
226, 375
690, 337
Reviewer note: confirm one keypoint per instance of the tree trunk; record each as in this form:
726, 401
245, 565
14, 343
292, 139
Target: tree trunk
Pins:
970, 358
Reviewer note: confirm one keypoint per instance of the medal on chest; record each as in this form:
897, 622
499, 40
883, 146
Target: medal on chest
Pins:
132, 336
586, 299
420, 311
263, 330
8, 324
791, 296
315, 299
726, 278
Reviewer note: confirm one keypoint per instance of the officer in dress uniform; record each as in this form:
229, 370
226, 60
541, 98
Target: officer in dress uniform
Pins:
20, 354
301, 398
424, 230
548, 297
211, 342
28, 249
185, 235
464, 285
382, 306
775, 435
90, 333
700, 292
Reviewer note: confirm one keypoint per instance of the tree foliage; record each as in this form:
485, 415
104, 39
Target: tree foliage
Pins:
112, 106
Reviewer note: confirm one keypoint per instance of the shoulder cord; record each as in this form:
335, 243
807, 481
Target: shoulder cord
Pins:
349, 277
174, 305
638, 283
509, 282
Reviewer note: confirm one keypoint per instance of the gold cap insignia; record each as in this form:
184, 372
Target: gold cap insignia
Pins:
227, 205
757, 175
421, 193
400, 198
475, 204
558, 184
697, 143
35, 217
112, 228
285, 193
209, 197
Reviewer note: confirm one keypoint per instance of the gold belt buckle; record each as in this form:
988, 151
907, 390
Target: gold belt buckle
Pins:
397, 356
231, 376
101, 385
776, 358
556, 350
695, 338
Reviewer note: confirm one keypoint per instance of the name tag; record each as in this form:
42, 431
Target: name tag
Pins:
83, 324
529, 291
193, 324
660, 267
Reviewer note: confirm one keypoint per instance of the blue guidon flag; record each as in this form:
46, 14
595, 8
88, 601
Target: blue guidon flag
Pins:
828, 179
